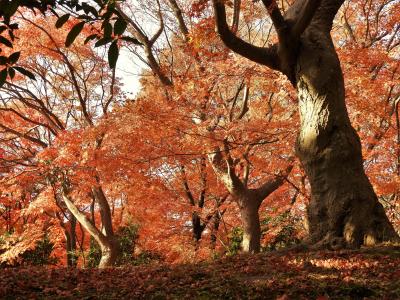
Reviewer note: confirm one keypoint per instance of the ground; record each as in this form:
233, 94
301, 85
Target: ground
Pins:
371, 273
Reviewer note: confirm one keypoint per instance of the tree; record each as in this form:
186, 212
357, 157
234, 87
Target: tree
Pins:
344, 209
54, 109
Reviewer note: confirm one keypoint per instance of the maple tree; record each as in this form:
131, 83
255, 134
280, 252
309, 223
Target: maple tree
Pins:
205, 119
57, 113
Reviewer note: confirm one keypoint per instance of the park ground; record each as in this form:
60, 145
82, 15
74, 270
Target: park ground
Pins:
371, 273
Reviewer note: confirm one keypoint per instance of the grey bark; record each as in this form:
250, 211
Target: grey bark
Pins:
108, 245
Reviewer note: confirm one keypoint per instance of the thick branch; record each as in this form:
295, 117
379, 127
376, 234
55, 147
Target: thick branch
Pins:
160, 28
225, 171
245, 106
203, 180
277, 19
106, 219
265, 56
24, 135
186, 187
236, 15
147, 45
271, 185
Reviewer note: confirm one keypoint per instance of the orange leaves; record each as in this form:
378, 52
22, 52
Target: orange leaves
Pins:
197, 7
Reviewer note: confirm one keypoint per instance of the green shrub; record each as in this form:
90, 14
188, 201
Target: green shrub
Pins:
287, 234
127, 237
235, 241
93, 255
40, 255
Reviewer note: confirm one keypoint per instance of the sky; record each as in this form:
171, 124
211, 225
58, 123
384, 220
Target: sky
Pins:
129, 69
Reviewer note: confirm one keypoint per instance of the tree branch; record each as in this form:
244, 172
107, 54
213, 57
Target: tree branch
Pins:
236, 15
178, 15
25, 136
265, 56
160, 28
245, 106
224, 169
272, 184
279, 22
97, 235
186, 187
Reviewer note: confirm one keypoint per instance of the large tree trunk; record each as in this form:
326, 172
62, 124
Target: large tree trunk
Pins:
251, 225
344, 209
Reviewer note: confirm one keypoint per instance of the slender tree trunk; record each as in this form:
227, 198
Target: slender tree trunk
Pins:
72, 243
216, 220
344, 209
108, 245
109, 251
68, 247
197, 227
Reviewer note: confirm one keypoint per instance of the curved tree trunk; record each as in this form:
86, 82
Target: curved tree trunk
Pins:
108, 244
249, 200
344, 209
109, 253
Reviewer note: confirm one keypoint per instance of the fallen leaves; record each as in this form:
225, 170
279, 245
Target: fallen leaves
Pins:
371, 274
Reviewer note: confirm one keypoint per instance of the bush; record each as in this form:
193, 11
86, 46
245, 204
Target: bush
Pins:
235, 241
127, 237
41, 254
287, 231
94, 254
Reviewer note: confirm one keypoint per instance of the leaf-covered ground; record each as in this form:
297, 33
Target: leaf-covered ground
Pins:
363, 274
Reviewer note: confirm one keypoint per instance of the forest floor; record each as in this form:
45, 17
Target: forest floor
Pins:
372, 273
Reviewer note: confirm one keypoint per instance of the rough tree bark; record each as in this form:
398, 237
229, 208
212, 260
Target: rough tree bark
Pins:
344, 209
